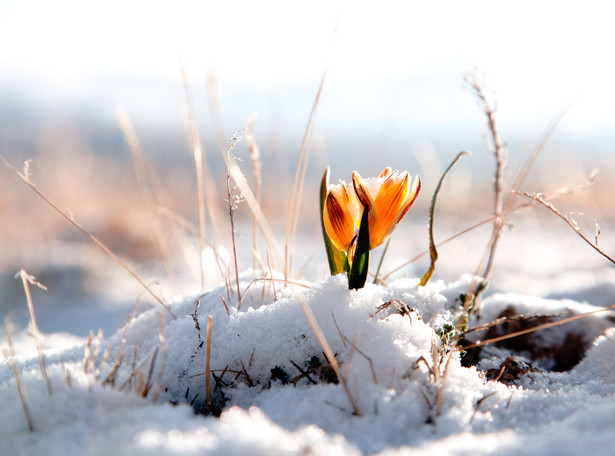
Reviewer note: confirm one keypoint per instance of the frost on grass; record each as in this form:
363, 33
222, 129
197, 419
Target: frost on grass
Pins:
276, 394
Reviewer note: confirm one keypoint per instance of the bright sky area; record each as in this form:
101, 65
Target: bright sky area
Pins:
537, 57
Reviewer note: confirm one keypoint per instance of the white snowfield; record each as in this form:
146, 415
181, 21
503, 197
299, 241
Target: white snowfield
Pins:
271, 408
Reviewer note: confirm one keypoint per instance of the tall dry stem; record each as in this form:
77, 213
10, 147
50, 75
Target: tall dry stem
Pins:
207, 363
294, 207
26, 179
256, 166
26, 280
498, 150
152, 191
233, 201
10, 357
198, 153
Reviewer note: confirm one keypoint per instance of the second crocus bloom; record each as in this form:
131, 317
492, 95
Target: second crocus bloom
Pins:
387, 197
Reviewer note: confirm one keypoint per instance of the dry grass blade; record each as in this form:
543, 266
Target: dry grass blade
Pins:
10, 357
162, 336
552, 324
26, 280
214, 109
152, 191
432, 245
326, 348
255, 209
257, 167
440, 397
540, 199
499, 153
503, 207
197, 150
269, 279
354, 346
298, 181
25, 178
233, 200
207, 362
119, 356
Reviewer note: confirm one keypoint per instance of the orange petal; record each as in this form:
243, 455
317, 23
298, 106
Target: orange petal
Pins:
361, 191
386, 172
412, 195
339, 224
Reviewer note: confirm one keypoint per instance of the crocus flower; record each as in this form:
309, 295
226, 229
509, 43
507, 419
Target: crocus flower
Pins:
341, 215
388, 198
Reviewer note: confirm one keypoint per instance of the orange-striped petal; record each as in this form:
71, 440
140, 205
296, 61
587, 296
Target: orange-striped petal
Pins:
341, 216
388, 198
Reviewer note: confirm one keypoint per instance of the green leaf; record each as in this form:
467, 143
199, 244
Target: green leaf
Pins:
338, 261
360, 262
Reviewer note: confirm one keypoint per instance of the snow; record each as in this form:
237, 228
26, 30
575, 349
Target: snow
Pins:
268, 407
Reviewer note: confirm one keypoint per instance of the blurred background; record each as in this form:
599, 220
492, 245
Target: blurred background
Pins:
394, 95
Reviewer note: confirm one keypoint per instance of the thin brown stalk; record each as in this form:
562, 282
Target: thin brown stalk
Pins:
326, 348
119, 356
162, 336
97, 343
432, 244
440, 397
207, 362
197, 150
255, 209
256, 165
152, 191
148, 384
503, 207
87, 352
298, 182
497, 149
508, 319
594, 245
10, 357
26, 280
233, 200
354, 345
94, 239
552, 324
215, 111
269, 279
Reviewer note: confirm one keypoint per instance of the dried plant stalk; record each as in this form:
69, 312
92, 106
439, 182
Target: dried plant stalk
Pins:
539, 198
298, 182
257, 166
552, 324
207, 363
255, 209
162, 336
197, 150
25, 178
497, 148
232, 204
10, 356
152, 191
326, 348
432, 245
26, 280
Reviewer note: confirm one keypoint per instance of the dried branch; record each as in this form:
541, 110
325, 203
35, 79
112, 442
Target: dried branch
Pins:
539, 198
94, 239
233, 200
26, 280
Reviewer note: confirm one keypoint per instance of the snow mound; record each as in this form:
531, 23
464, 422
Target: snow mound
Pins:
276, 393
